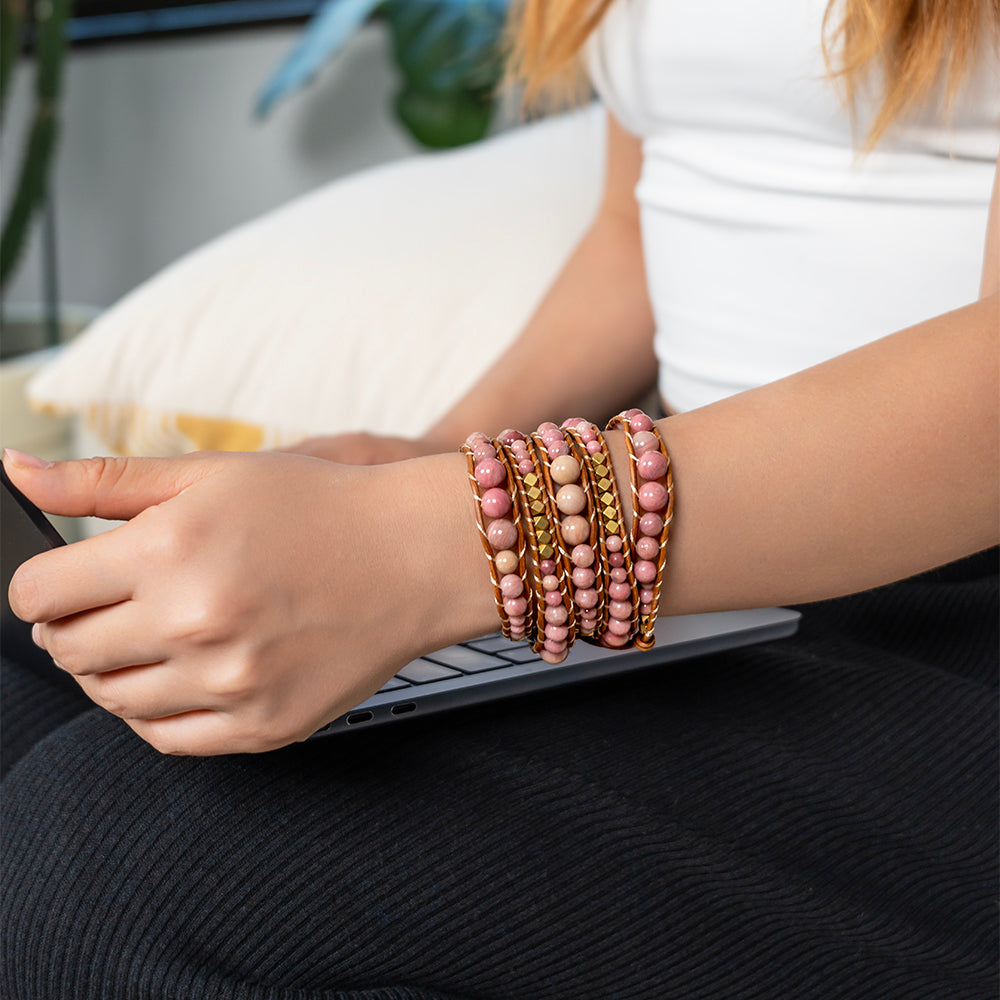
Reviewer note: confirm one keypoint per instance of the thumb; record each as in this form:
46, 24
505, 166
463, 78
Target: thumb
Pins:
115, 488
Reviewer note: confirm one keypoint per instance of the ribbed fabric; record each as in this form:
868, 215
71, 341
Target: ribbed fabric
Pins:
814, 818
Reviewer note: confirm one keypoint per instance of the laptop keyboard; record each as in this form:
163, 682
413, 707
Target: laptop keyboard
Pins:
489, 652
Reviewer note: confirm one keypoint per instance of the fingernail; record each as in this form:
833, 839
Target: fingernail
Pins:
36, 635
24, 459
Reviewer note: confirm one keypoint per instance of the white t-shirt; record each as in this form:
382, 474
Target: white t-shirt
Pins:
770, 243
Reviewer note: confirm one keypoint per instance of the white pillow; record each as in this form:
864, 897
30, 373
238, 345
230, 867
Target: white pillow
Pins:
371, 303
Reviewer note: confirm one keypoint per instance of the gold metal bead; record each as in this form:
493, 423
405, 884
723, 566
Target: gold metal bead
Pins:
546, 551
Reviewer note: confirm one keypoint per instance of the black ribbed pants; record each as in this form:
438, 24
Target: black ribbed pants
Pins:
807, 819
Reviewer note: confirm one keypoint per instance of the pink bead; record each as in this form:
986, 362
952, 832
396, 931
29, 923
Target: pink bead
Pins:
553, 657
496, 502
505, 562
645, 571
565, 470
615, 641
639, 422
511, 585
588, 614
557, 615
633, 412
553, 645
516, 623
588, 433
646, 594
616, 559
550, 582
525, 466
547, 566
501, 534
483, 450
571, 499
582, 555
553, 598
651, 524
546, 426
619, 575
645, 609
575, 529
586, 598
476, 437
559, 633
557, 448
643, 442
652, 465
583, 577
620, 609
510, 435
613, 543
573, 422
551, 434
515, 606
593, 447
519, 448
652, 496
489, 472
647, 548
619, 627
620, 591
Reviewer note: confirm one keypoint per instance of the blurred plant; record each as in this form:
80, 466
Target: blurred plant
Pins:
48, 18
449, 54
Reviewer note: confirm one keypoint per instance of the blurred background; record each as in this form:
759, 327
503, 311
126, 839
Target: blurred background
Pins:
162, 141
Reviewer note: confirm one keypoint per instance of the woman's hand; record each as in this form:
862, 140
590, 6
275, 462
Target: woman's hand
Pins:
249, 599
362, 448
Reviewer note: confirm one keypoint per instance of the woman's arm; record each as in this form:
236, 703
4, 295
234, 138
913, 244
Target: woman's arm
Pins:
594, 328
252, 598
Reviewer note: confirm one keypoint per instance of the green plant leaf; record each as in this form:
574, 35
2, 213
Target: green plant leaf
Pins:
442, 119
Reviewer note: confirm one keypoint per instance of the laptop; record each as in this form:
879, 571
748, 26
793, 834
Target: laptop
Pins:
481, 670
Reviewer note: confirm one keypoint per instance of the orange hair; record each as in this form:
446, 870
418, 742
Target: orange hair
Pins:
915, 42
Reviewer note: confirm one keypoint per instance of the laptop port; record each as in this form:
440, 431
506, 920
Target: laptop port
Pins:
356, 717
403, 709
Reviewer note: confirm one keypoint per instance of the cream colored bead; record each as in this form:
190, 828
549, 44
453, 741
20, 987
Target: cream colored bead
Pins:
564, 470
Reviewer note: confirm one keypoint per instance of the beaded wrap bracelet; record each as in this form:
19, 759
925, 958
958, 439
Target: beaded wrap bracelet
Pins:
502, 538
551, 523
619, 621
570, 503
652, 484
560, 626
525, 481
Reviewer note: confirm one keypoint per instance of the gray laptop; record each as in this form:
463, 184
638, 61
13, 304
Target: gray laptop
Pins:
481, 670
493, 667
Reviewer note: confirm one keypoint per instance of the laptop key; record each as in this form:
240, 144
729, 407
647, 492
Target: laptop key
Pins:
494, 644
469, 661
524, 654
422, 672
392, 683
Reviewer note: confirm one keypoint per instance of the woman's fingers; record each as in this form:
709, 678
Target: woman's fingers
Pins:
75, 578
151, 691
104, 639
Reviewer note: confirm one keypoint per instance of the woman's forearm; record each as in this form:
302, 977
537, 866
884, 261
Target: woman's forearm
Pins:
588, 346
868, 468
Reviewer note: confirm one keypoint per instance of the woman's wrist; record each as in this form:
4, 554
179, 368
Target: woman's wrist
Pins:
439, 556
